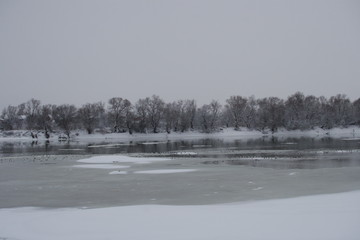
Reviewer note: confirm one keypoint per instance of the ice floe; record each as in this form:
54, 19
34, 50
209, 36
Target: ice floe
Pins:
118, 172
166, 171
100, 166
185, 153
121, 159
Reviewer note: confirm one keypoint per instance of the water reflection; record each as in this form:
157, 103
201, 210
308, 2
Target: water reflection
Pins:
269, 143
272, 152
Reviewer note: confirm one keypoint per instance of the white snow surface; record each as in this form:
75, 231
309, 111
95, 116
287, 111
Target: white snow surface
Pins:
165, 171
118, 172
100, 166
114, 159
352, 132
185, 153
108, 145
321, 217
152, 143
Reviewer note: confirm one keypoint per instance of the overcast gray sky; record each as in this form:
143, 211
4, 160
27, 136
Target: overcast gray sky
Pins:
87, 51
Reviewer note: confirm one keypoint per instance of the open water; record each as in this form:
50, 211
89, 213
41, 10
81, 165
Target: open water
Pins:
43, 174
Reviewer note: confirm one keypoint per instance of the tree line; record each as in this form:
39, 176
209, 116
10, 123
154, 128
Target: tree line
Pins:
153, 114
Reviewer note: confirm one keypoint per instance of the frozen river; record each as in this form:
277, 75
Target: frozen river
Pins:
191, 172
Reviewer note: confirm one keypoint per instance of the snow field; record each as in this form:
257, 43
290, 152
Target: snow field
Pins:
321, 217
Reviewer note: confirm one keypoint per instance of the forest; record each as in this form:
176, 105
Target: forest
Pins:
153, 114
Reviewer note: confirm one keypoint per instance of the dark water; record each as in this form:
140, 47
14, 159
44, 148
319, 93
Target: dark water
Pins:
268, 152
268, 143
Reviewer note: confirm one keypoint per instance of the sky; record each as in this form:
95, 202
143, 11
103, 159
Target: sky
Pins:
81, 52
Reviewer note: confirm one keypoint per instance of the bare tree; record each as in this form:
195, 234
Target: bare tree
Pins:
356, 107
65, 117
249, 113
209, 116
130, 119
226, 118
152, 113
303, 112
117, 111
187, 115
341, 108
172, 113
270, 114
155, 110
312, 112
236, 106
295, 111
45, 120
10, 119
141, 117
89, 115
32, 112
204, 117
326, 114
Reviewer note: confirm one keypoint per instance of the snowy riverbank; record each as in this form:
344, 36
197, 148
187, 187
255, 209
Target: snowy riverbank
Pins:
22, 135
327, 217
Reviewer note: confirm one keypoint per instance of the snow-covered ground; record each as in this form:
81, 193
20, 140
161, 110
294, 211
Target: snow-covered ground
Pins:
350, 133
320, 217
